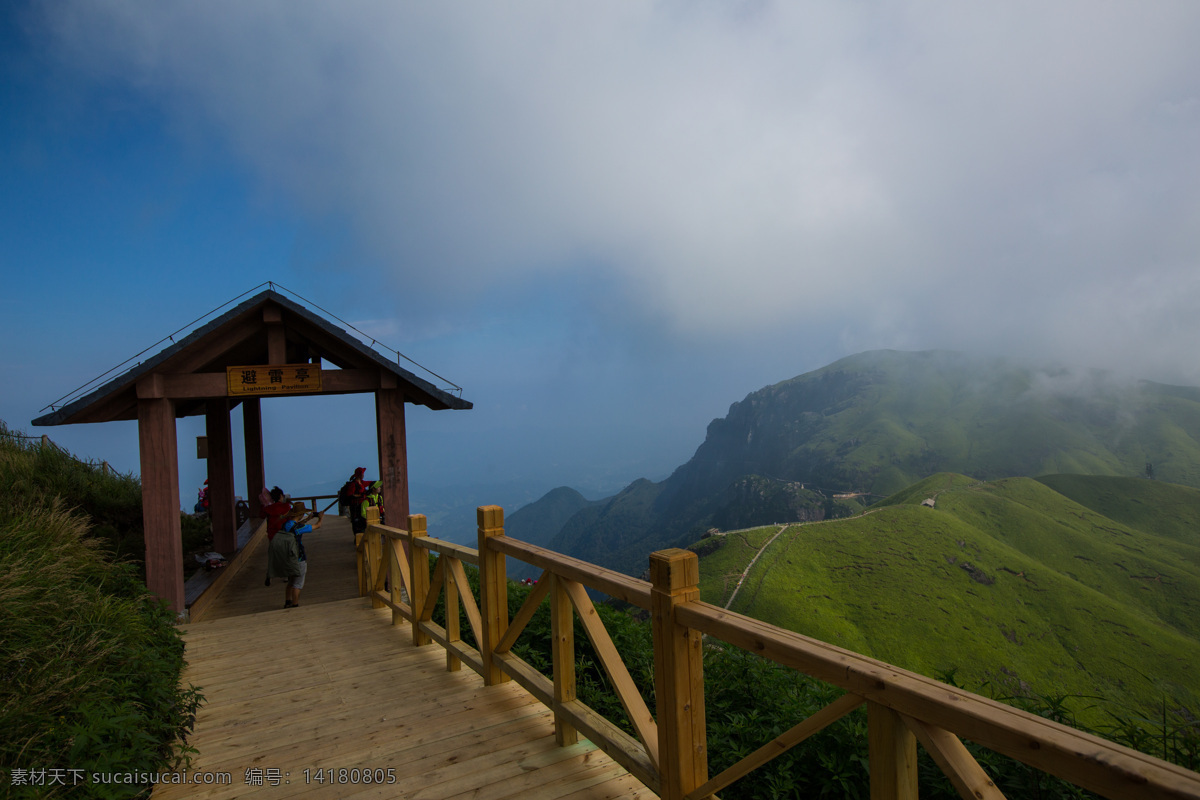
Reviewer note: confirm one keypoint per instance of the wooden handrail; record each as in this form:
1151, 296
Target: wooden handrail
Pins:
614, 584
904, 708
311, 500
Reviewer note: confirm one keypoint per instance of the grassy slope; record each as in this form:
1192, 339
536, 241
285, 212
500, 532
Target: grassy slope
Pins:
724, 558
90, 661
1164, 509
1004, 581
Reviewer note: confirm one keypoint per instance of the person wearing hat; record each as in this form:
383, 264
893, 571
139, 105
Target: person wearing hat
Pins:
286, 556
356, 494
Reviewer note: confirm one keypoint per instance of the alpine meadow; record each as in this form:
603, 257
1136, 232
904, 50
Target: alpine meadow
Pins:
1007, 583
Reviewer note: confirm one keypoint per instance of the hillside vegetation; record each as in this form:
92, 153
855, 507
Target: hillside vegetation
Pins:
90, 659
876, 423
1009, 583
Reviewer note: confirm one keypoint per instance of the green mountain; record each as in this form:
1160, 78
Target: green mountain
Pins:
1009, 582
877, 422
611, 531
539, 522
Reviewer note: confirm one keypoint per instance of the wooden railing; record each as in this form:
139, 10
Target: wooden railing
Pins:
311, 500
669, 753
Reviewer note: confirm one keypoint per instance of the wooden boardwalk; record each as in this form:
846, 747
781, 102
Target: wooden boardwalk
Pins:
332, 574
333, 685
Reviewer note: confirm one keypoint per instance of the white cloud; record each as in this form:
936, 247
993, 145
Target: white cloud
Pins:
927, 174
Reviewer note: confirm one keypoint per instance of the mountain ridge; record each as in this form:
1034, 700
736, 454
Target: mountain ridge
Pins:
879, 421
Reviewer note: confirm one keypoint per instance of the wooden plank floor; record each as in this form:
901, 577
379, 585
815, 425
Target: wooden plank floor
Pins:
332, 685
332, 574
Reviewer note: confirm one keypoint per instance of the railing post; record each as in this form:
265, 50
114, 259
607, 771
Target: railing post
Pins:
361, 561
678, 675
562, 649
893, 753
453, 662
396, 581
374, 555
493, 591
418, 586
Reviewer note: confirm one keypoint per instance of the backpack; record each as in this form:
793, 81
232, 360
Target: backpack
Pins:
345, 494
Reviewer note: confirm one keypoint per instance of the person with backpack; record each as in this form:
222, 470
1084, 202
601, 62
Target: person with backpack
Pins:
353, 494
286, 557
374, 499
276, 511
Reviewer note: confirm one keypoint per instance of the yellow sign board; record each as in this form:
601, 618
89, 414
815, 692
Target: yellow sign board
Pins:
274, 379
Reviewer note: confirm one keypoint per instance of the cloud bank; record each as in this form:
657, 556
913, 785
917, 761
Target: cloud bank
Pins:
1014, 177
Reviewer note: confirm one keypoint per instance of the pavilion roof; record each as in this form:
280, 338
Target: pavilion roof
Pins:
239, 337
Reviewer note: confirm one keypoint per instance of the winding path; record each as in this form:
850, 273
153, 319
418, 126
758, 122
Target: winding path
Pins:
782, 527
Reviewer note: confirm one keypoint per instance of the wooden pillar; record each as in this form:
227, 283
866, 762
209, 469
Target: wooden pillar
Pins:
678, 675
418, 585
160, 499
256, 473
493, 590
893, 754
393, 452
562, 632
220, 476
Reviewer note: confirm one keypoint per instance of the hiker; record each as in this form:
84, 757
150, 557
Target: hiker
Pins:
286, 557
374, 499
352, 495
202, 500
275, 511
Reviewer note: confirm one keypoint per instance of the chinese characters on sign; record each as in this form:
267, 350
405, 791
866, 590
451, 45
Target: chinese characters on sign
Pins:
274, 379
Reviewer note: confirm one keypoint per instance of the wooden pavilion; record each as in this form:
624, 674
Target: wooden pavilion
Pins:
267, 346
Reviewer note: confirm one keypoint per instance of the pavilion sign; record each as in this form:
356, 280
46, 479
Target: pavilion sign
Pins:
273, 379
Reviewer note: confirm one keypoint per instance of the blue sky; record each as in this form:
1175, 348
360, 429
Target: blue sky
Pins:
606, 222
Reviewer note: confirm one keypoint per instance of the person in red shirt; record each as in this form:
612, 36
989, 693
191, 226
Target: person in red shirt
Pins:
356, 491
363, 483
276, 512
